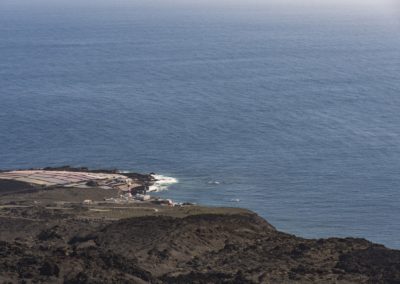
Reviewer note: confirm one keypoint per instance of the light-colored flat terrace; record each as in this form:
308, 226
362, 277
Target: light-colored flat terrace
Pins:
62, 178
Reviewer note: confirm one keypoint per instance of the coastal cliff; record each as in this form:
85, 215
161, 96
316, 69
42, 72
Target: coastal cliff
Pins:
50, 236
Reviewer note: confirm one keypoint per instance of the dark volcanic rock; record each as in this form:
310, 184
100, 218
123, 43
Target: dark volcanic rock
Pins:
49, 268
48, 234
379, 263
12, 186
243, 248
202, 248
207, 277
92, 183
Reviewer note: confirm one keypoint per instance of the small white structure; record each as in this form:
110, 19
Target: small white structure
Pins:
142, 197
87, 201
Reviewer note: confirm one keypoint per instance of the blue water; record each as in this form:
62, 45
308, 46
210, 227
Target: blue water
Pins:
294, 112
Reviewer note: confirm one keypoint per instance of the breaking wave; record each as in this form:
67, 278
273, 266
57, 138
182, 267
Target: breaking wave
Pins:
162, 183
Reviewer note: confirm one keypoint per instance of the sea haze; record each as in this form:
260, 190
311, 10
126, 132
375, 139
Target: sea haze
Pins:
291, 111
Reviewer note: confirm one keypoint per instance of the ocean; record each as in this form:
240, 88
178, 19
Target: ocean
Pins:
293, 112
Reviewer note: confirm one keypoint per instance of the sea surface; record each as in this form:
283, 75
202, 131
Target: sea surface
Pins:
293, 112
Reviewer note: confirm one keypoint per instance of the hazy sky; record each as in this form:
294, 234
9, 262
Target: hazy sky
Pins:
383, 8
381, 4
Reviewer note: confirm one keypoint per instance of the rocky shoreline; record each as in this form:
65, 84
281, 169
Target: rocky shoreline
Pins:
50, 235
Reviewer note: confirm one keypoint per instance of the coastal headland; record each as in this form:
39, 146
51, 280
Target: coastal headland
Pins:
75, 225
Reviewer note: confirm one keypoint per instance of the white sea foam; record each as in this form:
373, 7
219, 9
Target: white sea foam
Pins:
162, 183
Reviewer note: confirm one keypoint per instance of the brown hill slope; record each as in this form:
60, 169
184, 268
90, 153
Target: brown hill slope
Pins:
202, 248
